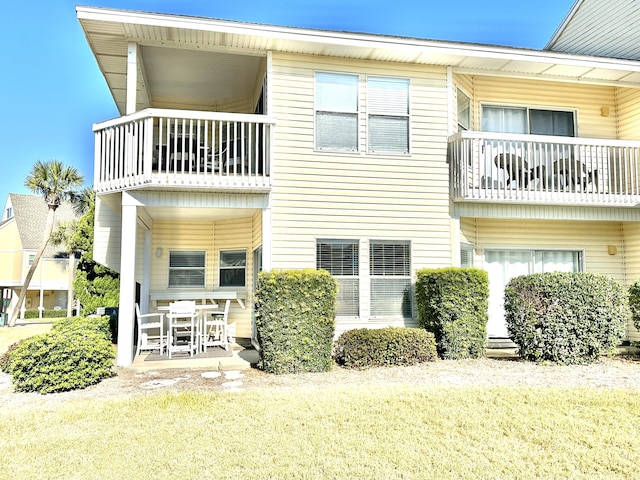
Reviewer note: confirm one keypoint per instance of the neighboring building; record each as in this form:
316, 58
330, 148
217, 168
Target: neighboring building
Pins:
244, 147
21, 233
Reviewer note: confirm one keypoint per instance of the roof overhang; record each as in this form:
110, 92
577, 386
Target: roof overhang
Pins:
108, 32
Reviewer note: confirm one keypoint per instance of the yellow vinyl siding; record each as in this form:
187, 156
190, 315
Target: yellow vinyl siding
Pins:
358, 195
210, 237
628, 113
586, 100
592, 238
11, 253
107, 236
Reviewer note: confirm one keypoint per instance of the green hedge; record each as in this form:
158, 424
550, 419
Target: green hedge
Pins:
31, 314
453, 304
634, 303
295, 320
72, 355
565, 318
390, 346
74, 324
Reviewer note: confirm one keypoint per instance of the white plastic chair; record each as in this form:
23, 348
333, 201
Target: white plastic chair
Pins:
145, 323
215, 329
183, 325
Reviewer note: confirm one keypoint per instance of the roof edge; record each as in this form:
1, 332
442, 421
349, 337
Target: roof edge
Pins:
563, 25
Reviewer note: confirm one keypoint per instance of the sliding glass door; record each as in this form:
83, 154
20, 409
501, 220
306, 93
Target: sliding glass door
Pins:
503, 265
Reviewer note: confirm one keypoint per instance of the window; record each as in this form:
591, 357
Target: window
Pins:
464, 111
336, 111
527, 120
466, 255
388, 114
32, 257
390, 270
233, 267
9, 213
186, 268
340, 258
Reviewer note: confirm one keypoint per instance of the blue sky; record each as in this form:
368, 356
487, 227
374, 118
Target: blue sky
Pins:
51, 90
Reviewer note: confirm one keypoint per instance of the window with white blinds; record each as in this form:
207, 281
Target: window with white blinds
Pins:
390, 271
388, 115
336, 105
341, 259
186, 268
466, 255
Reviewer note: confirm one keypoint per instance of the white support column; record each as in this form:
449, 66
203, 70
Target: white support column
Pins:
132, 77
266, 239
126, 315
144, 288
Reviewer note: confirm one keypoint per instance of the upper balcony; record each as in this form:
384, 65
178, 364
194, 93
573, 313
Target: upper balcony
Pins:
538, 169
162, 148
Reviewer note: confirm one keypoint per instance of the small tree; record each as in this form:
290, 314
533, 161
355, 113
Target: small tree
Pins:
56, 183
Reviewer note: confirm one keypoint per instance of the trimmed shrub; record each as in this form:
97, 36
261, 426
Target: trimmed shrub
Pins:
453, 304
81, 324
65, 358
31, 314
634, 303
565, 317
380, 347
295, 320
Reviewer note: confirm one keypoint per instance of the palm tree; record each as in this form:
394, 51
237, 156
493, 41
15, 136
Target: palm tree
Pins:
56, 183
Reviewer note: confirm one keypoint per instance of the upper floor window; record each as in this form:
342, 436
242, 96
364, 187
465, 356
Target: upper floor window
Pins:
388, 114
336, 111
341, 259
233, 268
528, 120
186, 268
464, 111
9, 213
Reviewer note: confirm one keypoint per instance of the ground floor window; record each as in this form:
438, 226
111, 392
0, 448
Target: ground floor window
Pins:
186, 268
503, 265
390, 278
233, 268
341, 259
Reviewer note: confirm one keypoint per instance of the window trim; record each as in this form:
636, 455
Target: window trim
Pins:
407, 277
358, 277
462, 127
203, 268
220, 267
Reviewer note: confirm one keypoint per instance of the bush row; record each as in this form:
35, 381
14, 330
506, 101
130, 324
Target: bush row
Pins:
31, 314
76, 353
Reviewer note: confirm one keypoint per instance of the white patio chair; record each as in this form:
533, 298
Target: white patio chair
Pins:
215, 328
146, 322
183, 327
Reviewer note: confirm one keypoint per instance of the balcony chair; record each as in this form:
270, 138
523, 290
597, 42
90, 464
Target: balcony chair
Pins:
183, 327
146, 322
215, 329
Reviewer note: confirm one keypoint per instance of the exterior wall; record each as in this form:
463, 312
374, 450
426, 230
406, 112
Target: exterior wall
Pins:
106, 236
628, 113
10, 255
211, 237
326, 195
592, 238
587, 100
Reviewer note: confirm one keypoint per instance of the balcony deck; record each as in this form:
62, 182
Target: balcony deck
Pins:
183, 148
537, 169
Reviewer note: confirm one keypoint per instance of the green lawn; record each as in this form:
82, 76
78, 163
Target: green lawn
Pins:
339, 432
10, 335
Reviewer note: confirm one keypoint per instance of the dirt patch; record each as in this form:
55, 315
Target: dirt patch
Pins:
617, 372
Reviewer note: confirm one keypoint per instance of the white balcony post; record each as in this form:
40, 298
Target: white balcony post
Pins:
132, 77
126, 317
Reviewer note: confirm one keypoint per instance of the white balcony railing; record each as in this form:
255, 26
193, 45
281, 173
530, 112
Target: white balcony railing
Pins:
183, 148
509, 168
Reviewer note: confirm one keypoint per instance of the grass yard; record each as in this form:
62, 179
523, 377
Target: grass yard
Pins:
10, 335
365, 432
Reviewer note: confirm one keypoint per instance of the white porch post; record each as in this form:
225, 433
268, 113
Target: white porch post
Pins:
126, 317
144, 288
266, 239
132, 77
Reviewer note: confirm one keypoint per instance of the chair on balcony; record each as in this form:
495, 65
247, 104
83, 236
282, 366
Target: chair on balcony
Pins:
515, 167
147, 322
183, 328
215, 329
